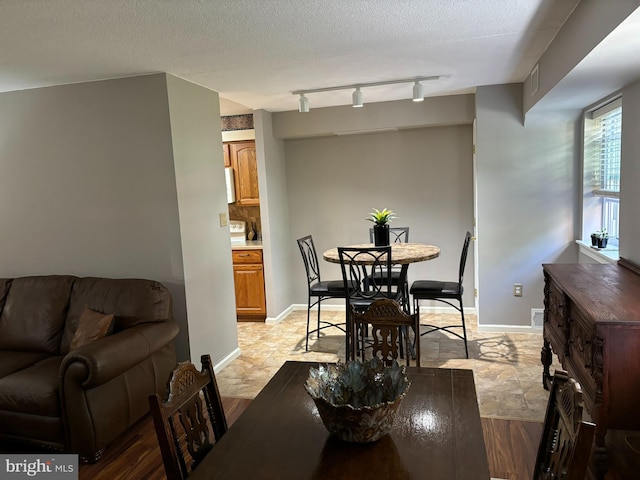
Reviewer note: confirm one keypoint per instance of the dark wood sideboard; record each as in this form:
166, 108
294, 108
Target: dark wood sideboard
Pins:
592, 323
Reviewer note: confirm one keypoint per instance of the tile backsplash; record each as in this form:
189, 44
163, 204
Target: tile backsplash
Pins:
248, 214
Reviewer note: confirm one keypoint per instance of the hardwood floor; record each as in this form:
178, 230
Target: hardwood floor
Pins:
511, 449
136, 455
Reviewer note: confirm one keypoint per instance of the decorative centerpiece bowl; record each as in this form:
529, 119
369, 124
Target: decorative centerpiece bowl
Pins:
357, 401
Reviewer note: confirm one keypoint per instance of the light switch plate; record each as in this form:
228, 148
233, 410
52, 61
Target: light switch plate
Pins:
223, 220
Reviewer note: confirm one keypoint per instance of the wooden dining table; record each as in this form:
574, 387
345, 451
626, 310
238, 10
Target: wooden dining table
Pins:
437, 435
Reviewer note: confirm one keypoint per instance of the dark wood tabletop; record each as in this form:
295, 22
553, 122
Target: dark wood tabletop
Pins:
437, 435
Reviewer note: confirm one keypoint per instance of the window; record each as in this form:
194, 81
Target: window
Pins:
601, 202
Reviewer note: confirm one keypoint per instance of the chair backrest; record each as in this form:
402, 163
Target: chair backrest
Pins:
566, 440
310, 258
386, 319
181, 420
396, 235
366, 272
463, 257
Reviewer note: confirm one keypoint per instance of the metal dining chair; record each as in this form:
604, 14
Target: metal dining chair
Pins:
317, 288
366, 276
396, 235
445, 292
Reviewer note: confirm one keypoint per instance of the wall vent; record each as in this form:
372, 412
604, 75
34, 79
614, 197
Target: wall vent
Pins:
535, 79
537, 317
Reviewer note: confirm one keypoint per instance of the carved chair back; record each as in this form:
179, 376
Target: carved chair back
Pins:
186, 420
388, 324
566, 440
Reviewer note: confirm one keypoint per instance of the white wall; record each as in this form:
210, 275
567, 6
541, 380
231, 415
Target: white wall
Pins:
206, 246
527, 201
423, 174
87, 184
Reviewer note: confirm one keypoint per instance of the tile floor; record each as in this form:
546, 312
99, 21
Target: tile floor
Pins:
506, 366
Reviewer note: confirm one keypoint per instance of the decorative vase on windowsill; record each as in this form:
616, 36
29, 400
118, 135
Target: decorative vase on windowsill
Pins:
381, 219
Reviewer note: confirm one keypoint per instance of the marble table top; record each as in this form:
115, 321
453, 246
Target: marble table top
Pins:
401, 253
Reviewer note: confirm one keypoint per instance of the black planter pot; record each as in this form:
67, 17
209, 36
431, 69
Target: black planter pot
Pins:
602, 242
381, 235
594, 240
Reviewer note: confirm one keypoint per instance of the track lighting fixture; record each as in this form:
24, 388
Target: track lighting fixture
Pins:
357, 98
303, 104
418, 90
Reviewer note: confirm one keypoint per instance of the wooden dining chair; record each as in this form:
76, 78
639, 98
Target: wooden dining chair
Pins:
445, 292
317, 288
388, 325
566, 440
182, 427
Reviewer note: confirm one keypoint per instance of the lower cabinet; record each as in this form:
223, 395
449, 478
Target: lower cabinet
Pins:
248, 277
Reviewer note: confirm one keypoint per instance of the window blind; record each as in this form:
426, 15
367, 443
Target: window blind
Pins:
608, 138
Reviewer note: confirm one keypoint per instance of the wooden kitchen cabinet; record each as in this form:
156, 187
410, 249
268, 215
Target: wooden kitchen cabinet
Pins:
225, 153
248, 277
592, 323
245, 171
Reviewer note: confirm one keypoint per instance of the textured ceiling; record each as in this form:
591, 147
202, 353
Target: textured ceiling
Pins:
255, 52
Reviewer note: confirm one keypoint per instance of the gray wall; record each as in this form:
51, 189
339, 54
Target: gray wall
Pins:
425, 175
274, 211
87, 184
630, 174
206, 247
527, 182
122, 178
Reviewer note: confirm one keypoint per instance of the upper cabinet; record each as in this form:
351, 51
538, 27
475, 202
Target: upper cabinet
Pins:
225, 152
245, 170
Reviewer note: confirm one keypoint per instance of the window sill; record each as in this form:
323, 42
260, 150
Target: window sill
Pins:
600, 255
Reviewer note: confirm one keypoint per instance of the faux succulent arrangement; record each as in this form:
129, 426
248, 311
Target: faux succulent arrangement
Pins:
381, 217
358, 384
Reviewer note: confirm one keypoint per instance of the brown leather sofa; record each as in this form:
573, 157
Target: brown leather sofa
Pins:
78, 400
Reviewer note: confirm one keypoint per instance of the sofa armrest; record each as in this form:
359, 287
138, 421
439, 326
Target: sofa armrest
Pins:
100, 361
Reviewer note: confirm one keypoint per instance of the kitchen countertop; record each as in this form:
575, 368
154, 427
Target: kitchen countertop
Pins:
247, 245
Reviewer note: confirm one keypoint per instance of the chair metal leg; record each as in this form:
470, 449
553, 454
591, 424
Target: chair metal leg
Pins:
306, 345
464, 328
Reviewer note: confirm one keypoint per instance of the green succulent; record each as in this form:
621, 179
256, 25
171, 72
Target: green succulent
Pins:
381, 217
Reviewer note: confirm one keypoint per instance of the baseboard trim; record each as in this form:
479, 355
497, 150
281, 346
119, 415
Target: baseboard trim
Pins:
280, 317
226, 360
509, 329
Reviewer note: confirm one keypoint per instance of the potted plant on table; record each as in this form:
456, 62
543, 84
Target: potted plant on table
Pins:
381, 219
600, 238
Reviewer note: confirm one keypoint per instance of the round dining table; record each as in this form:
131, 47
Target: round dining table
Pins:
401, 253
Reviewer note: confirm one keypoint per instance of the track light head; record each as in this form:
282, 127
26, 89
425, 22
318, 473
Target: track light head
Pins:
418, 92
357, 98
303, 104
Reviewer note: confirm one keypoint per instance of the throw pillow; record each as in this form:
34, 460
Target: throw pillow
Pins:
91, 327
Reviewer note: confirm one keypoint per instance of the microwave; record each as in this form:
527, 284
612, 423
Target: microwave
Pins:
230, 184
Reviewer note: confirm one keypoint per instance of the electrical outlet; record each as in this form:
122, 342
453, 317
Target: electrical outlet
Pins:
517, 289
223, 220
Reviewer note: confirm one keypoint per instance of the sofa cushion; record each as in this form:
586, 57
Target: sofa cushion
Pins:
5, 283
34, 313
33, 390
131, 300
91, 327
13, 361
